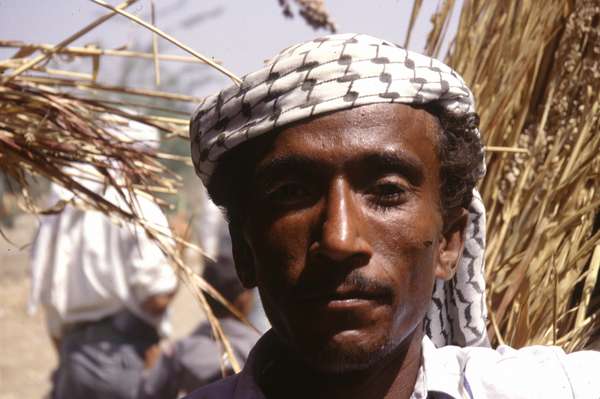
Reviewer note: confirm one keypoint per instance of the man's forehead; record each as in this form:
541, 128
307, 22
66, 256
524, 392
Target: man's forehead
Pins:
377, 136
367, 129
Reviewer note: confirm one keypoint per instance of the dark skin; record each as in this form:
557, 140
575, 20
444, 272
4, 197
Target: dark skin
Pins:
344, 236
156, 305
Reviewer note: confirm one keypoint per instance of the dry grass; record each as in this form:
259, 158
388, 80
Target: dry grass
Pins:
54, 119
313, 12
535, 72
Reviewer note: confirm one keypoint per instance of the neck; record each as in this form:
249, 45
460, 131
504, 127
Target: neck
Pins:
392, 377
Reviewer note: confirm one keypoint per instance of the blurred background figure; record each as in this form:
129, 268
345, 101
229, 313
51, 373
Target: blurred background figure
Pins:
196, 360
213, 236
104, 287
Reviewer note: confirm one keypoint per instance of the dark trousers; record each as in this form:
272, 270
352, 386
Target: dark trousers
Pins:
103, 359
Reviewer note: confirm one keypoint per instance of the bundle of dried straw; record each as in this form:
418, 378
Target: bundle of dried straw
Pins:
54, 122
535, 72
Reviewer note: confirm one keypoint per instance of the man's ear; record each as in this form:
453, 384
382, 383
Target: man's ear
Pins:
451, 243
242, 257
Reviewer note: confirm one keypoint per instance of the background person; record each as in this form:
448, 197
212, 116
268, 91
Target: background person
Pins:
195, 361
104, 287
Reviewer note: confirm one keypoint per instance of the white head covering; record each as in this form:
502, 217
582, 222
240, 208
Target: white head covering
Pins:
85, 266
137, 135
338, 72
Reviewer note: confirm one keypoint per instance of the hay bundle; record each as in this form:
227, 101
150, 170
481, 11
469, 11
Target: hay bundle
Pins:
535, 72
53, 119
55, 123
43, 131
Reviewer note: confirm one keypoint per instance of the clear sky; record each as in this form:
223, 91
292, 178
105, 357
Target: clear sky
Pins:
240, 33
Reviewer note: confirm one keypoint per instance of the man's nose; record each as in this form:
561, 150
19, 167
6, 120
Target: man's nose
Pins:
343, 223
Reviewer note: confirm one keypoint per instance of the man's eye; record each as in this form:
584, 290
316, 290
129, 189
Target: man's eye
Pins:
289, 193
388, 193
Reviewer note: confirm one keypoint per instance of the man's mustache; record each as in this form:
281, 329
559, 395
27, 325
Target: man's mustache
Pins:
354, 282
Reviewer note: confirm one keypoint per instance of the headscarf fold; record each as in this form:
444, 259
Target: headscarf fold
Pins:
338, 72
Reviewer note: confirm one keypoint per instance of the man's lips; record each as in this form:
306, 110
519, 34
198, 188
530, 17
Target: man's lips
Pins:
342, 296
354, 291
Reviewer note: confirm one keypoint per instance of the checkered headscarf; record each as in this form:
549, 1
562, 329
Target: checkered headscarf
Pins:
338, 72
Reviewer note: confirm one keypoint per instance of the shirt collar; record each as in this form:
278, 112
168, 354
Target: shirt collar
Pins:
440, 372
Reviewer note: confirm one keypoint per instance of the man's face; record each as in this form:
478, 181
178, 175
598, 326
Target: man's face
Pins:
344, 232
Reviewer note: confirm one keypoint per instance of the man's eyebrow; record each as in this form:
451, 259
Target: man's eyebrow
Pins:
393, 162
286, 164
375, 162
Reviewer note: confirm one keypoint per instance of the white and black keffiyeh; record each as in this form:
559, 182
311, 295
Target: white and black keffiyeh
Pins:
338, 72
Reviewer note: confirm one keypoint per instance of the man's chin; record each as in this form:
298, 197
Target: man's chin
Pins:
346, 352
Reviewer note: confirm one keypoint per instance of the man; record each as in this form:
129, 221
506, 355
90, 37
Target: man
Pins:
195, 360
104, 287
347, 168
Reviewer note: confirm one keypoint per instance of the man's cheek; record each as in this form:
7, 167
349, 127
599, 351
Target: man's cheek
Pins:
416, 239
401, 238
287, 242
280, 262
407, 256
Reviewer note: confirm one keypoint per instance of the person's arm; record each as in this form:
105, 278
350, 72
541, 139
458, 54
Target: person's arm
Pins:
155, 305
54, 325
151, 356
56, 342
161, 381
152, 280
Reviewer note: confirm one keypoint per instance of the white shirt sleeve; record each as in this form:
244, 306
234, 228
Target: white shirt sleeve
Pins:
150, 272
583, 372
535, 372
